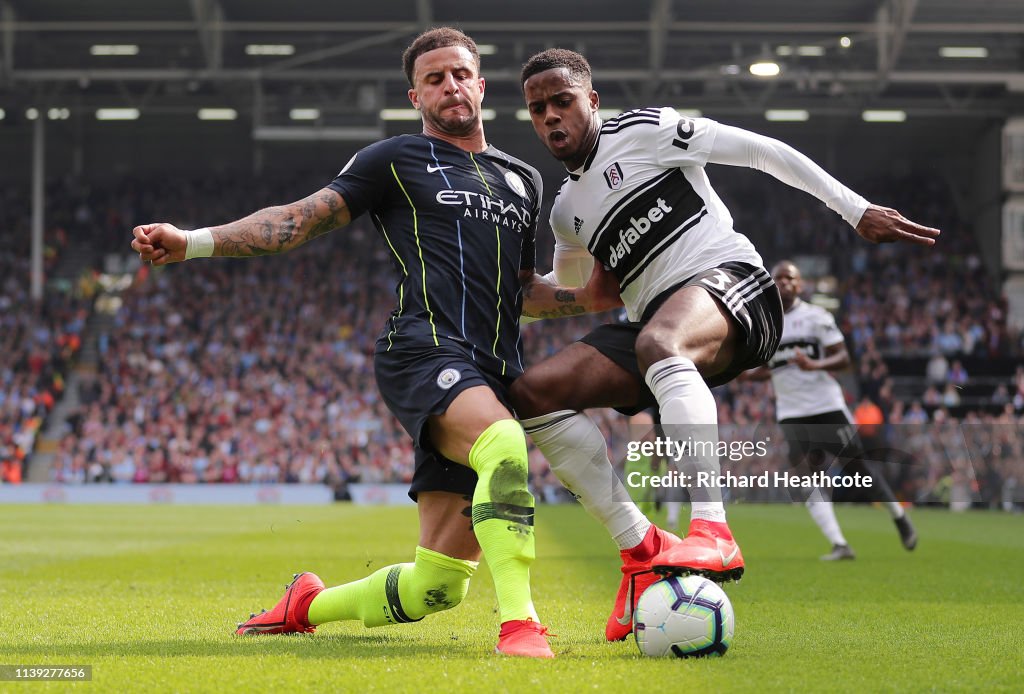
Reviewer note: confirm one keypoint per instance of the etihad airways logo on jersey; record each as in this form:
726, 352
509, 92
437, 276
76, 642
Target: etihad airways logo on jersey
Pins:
486, 208
629, 236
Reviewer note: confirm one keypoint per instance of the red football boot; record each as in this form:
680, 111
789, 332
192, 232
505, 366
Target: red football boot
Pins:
291, 614
637, 577
525, 638
707, 550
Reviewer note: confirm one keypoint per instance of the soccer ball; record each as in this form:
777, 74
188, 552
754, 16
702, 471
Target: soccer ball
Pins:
684, 616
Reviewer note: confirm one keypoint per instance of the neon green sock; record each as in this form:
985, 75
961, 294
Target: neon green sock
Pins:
399, 593
503, 515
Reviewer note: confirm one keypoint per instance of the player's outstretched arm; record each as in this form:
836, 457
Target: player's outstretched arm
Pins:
543, 298
270, 230
886, 225
738, 147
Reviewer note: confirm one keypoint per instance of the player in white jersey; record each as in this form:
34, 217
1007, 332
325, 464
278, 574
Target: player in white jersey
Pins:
702, 307
811, 409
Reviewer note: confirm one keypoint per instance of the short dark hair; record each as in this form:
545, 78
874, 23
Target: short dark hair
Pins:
784, 261
576, 65
440, 37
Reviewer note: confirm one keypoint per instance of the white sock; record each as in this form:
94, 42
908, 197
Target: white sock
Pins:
824, 514
689, 413
895, 509
578, 455
672, 513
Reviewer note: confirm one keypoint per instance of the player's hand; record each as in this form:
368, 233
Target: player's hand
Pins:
159, 244
602, 289
805, 363
886, 225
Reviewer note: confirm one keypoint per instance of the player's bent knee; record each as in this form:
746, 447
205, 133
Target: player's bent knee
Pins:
653, 345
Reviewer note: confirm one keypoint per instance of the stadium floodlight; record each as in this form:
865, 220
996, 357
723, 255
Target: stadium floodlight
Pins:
884, 116
486, 48
764, 69
845, 41
730, 69
963, 52
413, 114
522, 114
3, 114
58, 113
217, 114
786, 114
114, 49
304, 113
783, 50
32, 113
270, 49
117, 114
810, 51
399, 114
305, 133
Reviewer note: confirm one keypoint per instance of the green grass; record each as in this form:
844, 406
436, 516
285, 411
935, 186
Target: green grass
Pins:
148, 596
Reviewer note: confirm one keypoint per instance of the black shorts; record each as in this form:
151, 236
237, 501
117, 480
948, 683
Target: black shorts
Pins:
418, 379
810, 438
747, 292
832, 433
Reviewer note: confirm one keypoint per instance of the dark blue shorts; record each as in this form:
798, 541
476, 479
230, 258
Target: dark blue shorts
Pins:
419, 379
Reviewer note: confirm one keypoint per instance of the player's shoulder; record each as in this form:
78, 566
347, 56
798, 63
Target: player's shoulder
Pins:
818, 314
386, 150
806, 308
515, 164
635, 118
510, 161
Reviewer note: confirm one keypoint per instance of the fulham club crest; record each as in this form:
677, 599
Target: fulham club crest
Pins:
613, 176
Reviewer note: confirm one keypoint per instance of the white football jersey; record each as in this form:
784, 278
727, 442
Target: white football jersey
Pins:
643, 206
800, 393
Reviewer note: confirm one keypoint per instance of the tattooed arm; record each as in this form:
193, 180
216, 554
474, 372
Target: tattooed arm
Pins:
271, 230
542, 298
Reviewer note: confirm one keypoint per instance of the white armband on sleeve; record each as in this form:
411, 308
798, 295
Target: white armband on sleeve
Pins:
198, 243
738, 147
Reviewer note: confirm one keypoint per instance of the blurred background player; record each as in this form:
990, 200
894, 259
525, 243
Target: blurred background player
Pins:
811, 410
643, 467
702, 307
447, 353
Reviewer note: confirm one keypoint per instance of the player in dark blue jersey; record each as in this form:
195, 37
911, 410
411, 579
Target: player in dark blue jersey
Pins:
459, 218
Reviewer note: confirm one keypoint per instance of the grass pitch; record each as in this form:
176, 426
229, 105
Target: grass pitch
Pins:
149, 597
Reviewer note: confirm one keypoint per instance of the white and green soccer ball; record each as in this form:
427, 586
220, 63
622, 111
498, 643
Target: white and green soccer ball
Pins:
685, 617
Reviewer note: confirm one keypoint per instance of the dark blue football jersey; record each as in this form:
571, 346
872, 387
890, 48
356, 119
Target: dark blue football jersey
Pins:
460, 226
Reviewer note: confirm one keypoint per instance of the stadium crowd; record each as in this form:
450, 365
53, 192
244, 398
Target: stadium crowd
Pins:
227, 371
37, 342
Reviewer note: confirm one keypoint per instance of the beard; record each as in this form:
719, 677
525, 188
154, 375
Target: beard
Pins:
457, 124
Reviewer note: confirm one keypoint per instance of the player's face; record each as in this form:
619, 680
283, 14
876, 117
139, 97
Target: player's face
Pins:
448, 91
790, 283
564, 115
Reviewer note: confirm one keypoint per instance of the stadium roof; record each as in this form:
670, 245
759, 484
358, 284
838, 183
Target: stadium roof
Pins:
340, 60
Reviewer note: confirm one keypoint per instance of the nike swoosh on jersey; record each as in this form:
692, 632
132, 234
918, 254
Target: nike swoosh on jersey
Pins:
627, 614
727, 559
435, 169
